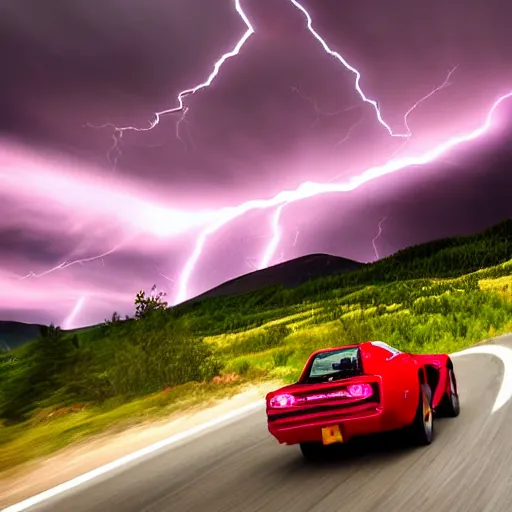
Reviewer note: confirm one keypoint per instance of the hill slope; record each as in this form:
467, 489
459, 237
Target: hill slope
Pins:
444, 258
289, 274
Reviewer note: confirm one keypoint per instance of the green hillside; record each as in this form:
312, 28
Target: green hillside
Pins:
437, 297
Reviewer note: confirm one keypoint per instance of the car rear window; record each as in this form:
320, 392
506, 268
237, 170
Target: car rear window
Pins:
333, 365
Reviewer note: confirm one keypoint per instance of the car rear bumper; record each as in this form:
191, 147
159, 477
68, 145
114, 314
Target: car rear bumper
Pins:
364, 421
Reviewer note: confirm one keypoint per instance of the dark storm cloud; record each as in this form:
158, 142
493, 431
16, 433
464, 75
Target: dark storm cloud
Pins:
67, 63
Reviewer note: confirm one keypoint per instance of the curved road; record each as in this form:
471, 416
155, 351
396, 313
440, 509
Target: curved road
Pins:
240, 467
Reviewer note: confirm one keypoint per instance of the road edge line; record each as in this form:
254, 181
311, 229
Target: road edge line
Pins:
131, 457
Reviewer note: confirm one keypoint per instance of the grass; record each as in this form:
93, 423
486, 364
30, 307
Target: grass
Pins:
67, 387
420, 316
52, 429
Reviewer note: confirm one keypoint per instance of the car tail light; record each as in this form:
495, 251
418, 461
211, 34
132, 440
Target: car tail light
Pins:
283, 401
360, 390
352, 391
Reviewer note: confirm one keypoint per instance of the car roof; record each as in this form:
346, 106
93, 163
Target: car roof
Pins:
352, 345
334, 349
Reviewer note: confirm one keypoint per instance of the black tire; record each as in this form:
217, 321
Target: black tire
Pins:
450, 405
313, 451
421, 431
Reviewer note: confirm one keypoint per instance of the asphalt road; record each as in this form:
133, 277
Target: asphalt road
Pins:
240, 467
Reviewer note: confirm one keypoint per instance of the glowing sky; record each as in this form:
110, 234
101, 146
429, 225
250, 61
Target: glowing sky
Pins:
84, 226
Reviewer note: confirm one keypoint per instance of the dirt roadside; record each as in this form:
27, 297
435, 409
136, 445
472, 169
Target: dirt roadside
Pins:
37, 476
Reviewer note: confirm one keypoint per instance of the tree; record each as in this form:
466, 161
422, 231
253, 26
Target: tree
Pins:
52, 353
116, 318
42, 373
50, 333
152, 302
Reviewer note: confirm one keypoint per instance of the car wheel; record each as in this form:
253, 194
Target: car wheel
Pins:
312, 451
422, 428
451, 405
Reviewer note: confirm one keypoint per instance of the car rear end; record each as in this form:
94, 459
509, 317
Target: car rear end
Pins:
330, 404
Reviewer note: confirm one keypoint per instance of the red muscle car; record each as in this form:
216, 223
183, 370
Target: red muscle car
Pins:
362, 389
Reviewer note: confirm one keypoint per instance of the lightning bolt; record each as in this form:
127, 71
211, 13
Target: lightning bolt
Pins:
444, 85
351, 130
250, 263
307, 189
118, 131
269, 252
181, 107
297, 233
345, 63
377, 236
318, 111
276, 237
115, 150
68, 321
167, 278
66, 264
310, 189
178, 124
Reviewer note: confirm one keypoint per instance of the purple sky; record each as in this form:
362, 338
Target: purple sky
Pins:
279, 113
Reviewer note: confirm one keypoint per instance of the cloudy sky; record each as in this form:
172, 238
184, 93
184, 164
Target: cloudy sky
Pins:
90, 214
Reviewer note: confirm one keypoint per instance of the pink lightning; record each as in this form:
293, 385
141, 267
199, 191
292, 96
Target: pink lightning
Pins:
311, 189
168, 223
70, 319
276, 237
344, 62
167, 278
275, 241
318, 111
118, 131
230, 213
377, 236
188, 92
66, 264
444, 85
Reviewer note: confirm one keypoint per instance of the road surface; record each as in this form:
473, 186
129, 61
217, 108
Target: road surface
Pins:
239, 467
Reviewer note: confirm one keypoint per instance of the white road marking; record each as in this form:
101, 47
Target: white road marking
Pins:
86, 477
503, 353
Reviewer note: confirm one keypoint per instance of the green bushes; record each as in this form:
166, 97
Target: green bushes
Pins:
149, 356
151, 359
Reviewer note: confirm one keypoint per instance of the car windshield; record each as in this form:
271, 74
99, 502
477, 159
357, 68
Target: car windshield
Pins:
333, 365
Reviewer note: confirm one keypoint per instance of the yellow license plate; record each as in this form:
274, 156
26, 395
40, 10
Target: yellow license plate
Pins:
332, 435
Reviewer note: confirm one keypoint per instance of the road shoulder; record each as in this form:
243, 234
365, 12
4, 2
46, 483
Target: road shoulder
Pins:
37, 476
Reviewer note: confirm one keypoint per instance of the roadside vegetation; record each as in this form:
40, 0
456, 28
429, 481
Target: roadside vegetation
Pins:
65, 386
